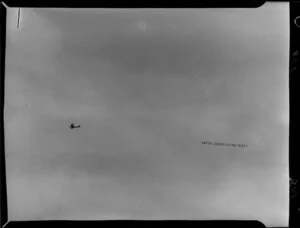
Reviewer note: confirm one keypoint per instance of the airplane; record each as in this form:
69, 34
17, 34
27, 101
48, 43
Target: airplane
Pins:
72, 126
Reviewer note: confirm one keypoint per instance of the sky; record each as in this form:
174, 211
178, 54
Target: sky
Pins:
147, 87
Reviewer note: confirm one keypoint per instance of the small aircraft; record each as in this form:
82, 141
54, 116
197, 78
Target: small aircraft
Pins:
72, 126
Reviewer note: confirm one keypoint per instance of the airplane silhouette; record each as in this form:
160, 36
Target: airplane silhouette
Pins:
73, 126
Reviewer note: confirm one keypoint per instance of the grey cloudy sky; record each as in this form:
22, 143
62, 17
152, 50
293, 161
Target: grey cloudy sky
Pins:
147, 87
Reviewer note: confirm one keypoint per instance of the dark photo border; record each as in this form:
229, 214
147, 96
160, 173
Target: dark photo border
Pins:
293, 73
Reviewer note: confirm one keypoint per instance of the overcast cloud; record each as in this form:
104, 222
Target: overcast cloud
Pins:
147, 87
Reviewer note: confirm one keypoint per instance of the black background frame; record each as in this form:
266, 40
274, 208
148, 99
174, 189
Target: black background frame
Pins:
294, 71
